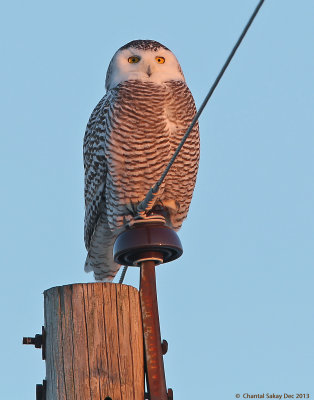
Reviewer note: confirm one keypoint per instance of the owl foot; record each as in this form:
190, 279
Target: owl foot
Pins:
142, 218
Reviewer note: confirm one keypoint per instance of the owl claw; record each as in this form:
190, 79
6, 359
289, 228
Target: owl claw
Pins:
132, 208
146, 218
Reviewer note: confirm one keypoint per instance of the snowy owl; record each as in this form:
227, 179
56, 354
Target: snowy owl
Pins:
130, 137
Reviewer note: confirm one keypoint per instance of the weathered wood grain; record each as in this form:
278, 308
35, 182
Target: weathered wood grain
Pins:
94, 342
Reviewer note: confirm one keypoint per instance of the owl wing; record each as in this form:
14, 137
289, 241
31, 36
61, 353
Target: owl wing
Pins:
95, 165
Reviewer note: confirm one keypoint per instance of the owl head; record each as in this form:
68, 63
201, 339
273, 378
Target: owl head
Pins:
143, 60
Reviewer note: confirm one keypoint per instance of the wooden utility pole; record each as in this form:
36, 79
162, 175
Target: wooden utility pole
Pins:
94, 342
101, 339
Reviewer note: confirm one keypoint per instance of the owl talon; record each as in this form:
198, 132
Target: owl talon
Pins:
146, 218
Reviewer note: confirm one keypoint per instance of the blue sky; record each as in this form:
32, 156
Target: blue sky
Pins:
237, 307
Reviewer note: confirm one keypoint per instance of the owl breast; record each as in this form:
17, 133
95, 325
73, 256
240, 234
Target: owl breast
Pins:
146, 122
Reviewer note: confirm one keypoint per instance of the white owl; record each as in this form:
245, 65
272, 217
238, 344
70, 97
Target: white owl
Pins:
130, 137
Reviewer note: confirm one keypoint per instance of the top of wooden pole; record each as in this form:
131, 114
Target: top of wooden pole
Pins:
94, 342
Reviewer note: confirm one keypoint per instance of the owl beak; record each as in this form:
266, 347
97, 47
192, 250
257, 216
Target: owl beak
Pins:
149, 71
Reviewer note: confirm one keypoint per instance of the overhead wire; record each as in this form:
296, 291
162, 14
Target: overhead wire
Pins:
145, 204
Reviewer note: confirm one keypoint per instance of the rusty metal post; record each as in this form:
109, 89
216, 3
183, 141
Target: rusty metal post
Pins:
152, 339
147, 244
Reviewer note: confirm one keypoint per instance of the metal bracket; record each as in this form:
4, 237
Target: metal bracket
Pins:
39, 341
170, 394
41, 390
164, 347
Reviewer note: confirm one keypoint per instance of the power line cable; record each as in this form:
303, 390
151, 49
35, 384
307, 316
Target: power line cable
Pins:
144, 205
125, 268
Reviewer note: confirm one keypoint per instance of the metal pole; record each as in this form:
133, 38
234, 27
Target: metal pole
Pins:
147, 244
156, 380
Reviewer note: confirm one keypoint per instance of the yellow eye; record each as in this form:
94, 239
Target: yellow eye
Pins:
133, 59
160, 60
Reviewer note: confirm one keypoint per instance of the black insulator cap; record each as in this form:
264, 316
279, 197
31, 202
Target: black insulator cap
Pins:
142, 240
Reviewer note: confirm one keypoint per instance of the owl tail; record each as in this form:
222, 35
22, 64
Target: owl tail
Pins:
103, 271
100, 253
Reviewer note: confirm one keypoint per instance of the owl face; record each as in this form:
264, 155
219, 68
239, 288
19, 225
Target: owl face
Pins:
145, 61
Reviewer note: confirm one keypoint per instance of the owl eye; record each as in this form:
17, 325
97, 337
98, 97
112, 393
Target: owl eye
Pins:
160, 60
133, 59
